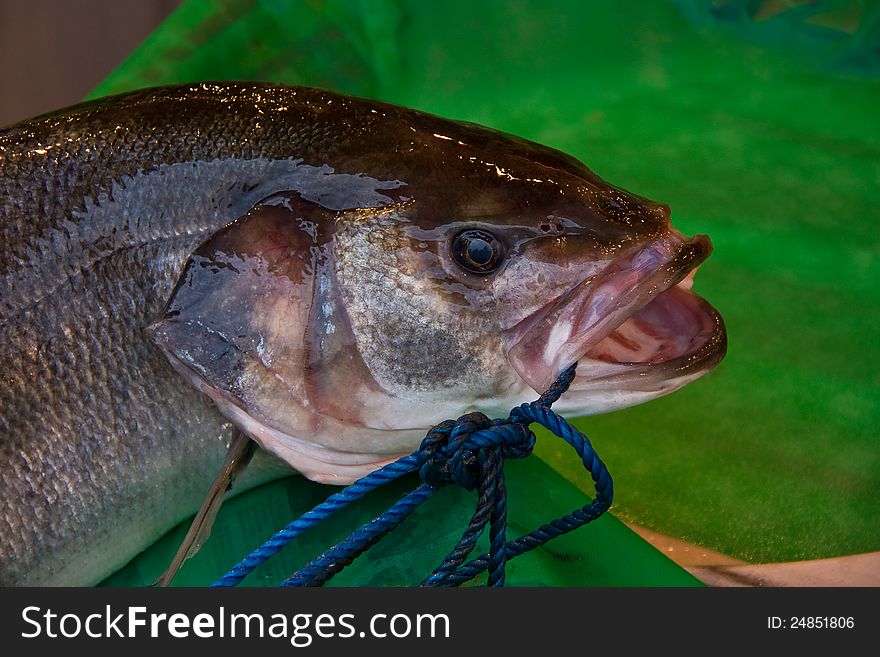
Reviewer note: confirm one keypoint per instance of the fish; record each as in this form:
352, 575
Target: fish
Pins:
328, 274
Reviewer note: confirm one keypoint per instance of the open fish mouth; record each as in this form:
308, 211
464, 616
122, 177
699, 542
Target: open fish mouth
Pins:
635, 326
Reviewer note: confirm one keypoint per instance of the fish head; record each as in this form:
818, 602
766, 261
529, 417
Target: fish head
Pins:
509, 262
431, 269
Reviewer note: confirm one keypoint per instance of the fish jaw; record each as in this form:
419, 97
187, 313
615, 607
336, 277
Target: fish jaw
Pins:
653, 358
635, 328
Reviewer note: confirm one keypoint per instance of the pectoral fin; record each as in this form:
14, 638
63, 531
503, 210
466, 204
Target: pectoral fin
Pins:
240, 452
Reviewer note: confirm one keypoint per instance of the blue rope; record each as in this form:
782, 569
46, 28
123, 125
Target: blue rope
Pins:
469, 451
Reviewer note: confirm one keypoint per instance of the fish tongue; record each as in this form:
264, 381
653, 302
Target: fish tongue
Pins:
540, 348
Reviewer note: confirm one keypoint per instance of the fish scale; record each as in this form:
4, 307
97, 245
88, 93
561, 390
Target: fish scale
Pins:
119, 377
141, 323
98, 436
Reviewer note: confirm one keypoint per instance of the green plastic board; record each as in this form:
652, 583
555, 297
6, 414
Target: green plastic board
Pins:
757, 122
605, 553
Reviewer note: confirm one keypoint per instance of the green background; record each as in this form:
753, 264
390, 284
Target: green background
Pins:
758, 123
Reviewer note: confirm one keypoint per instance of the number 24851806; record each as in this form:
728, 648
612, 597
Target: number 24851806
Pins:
810, 622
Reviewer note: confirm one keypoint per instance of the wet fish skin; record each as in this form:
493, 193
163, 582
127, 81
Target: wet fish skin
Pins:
104, 446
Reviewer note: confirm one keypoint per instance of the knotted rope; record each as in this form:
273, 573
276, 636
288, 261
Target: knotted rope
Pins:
470, 452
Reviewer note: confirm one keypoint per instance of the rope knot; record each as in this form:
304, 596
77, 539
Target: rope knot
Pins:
459, 450
469, 451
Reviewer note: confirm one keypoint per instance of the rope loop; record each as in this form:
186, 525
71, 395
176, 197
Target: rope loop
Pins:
455, 450
470, 452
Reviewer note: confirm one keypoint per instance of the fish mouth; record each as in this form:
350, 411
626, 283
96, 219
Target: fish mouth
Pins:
635, 326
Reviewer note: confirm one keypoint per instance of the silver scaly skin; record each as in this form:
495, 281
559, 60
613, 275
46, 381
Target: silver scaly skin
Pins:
176, 262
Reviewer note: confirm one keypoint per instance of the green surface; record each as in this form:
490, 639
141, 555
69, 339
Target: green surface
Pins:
606, 553
774, 154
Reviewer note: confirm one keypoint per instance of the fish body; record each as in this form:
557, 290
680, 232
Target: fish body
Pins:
331, 275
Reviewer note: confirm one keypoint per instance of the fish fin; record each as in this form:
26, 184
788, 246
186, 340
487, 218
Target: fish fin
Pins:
240, 452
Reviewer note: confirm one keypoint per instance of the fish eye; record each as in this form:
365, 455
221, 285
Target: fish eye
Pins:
477, 251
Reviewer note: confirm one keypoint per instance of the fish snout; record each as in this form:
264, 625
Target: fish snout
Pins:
638, 310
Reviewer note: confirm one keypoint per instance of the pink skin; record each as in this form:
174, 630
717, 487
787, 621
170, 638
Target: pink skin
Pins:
638, 311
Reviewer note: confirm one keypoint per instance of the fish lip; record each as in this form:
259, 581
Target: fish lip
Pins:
674, 258
595, 374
